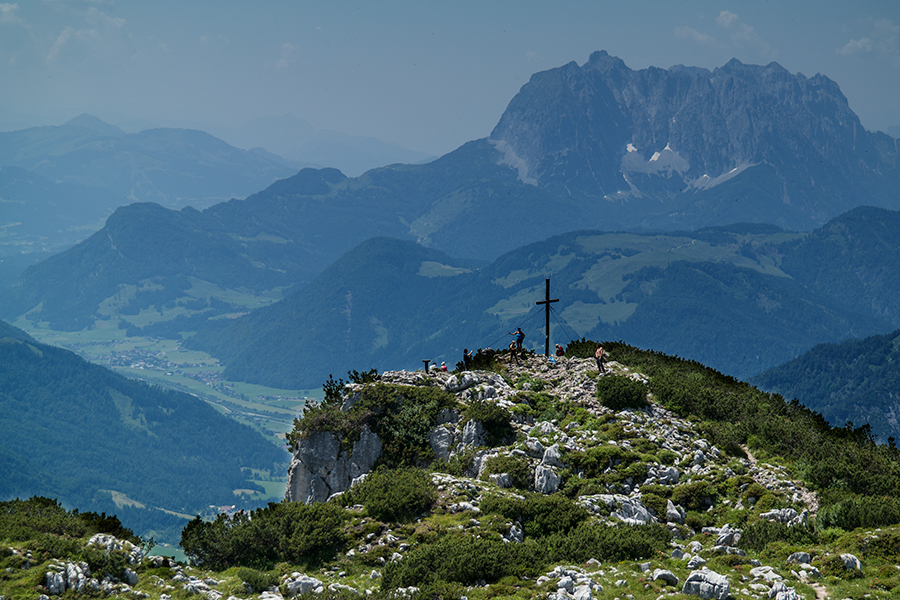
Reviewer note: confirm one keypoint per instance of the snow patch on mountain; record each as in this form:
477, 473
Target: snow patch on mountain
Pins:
706, 182
665, 162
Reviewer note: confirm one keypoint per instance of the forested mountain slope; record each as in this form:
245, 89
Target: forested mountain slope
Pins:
855, 380
702, 294
81, 433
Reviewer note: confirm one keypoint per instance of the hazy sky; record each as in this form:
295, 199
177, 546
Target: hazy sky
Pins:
427, 75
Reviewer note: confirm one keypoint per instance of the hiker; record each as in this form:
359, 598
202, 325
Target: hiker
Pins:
520, 336
467, 358
560, 351
513, 352
443, 366
599, 355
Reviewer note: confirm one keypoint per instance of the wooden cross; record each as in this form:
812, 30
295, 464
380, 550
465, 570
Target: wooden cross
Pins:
546, 302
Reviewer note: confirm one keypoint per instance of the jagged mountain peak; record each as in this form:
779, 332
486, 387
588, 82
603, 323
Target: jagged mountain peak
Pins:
597, 131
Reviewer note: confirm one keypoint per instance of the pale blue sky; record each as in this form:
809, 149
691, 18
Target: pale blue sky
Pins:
427, 75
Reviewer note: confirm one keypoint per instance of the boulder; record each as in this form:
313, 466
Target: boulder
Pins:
665, 576
799, 557
780, 591
851, 563
728, 536
502, 480
551, 457
546, 481
582, 592
534, 446
441, 440
318, 469
674, 514
707, 584
302, 584
630, 510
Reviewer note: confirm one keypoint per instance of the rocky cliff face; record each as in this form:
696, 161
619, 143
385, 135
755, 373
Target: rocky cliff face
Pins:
319, 468
603, 130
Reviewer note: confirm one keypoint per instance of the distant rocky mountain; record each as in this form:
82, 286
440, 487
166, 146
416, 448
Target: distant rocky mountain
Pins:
692, 147
855, 380
597, 147
85, 435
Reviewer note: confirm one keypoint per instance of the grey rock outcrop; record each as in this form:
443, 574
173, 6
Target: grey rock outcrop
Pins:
473, 434
674, 514
707, 584
298, 583
546, 481
851, 563
109, 543
441, 440
319, 469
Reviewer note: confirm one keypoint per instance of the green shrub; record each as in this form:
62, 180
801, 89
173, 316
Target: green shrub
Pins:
593, 462
540, 515
21, 520
496, 420
581, 348
576, 486
302, 534
666, 457
697, 495
462, 559
619, 392
258, 581
698, 520
103, 563
47, 545
394, 495
655, 503
758, 535
860, 511
833, 566
516, 466
595, 540
401, 416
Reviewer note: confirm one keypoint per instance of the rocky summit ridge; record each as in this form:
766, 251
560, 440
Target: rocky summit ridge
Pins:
320, 472
539, 484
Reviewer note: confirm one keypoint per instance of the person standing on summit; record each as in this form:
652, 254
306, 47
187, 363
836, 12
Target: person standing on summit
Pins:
599, 355
520, 337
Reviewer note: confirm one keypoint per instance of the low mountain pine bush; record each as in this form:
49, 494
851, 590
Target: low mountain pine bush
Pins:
619, 392
394, 495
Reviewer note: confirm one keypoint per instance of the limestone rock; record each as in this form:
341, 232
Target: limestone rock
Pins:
299, 583
473, 434
546, 481
851, 563
707, 584
551, 457
799, 557
318, 469
674, 514
441, 439
665, 575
